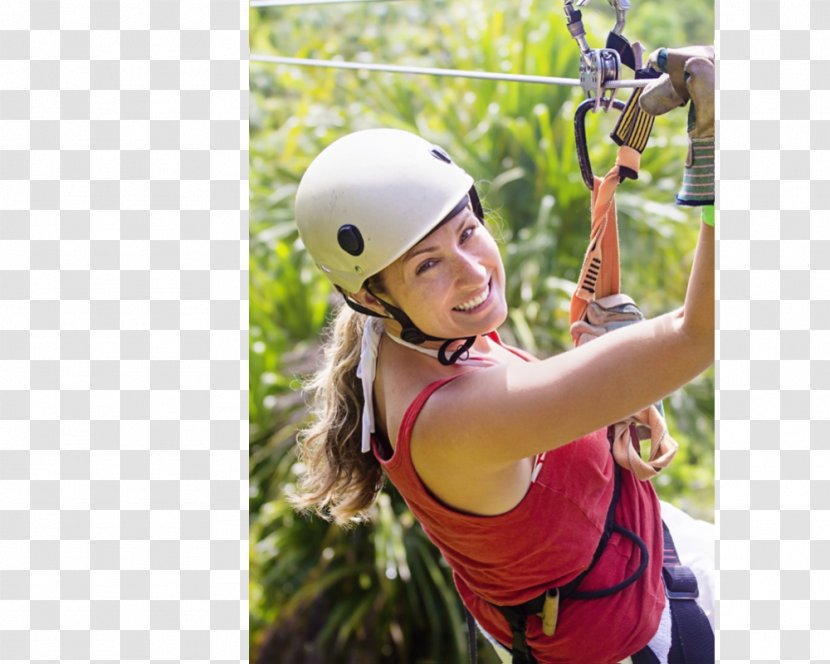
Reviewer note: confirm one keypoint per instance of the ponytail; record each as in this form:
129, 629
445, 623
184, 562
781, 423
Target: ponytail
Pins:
338, 481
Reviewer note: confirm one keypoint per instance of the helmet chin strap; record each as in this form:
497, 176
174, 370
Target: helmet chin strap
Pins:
412, 334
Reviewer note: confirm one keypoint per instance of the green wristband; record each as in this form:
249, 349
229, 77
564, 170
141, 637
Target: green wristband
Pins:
707, 215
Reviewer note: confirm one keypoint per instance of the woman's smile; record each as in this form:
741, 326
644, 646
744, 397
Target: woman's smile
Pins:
476, 302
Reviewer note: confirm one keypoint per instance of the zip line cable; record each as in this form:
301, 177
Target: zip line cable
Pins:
430, 71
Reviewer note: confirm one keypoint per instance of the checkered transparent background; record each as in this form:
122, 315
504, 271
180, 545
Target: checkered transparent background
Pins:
123, 198
774, 327
123, 330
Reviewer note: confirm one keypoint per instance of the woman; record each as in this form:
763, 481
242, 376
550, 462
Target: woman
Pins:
503, 459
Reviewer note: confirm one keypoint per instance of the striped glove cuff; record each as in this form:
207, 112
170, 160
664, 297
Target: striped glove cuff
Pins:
699, 177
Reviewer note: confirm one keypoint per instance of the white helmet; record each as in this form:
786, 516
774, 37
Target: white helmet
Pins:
372, 195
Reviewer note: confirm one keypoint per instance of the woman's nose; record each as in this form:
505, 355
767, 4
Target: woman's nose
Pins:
468, 267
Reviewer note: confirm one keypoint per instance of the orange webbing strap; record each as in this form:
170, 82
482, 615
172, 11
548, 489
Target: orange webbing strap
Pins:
600, 277
663, 446
600, 274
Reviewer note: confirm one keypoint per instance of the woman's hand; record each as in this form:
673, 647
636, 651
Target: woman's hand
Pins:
688, 73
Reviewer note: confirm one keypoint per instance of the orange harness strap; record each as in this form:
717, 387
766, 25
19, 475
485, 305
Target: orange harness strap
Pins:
600, 278
600, 275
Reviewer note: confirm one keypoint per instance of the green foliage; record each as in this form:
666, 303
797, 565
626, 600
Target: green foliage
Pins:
380, 593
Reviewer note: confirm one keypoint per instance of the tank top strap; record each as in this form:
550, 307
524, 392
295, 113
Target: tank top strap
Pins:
402, 446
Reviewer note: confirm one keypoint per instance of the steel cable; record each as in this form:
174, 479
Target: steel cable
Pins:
431, 71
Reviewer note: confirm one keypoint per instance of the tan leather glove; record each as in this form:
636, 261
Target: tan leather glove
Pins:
688, 73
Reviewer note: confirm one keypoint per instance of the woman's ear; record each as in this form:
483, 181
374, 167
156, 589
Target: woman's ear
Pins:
366, 299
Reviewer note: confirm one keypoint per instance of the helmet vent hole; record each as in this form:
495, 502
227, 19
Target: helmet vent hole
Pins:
350, 240
440, 153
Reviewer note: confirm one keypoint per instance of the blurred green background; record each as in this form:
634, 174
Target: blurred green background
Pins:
380, 592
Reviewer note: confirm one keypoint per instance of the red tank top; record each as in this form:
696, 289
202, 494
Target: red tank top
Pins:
547, 540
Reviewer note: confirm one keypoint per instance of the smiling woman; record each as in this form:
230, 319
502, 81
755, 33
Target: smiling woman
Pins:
503, 459
451, 282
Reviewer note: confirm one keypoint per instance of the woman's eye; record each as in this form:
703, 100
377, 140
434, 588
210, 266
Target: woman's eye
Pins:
423, 267
467, 232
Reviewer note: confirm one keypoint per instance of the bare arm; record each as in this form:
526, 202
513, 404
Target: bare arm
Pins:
498, 415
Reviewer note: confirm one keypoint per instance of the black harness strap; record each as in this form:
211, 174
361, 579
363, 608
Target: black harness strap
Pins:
472, 642
520, 648
693, 641
644, 656
692, 637
609, 527
517, 614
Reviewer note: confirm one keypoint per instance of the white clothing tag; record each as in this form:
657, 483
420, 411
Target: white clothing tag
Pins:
366, 372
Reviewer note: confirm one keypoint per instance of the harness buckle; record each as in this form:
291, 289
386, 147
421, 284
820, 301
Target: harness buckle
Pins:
680, 583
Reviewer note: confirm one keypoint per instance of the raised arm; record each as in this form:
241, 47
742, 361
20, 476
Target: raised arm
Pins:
511, 412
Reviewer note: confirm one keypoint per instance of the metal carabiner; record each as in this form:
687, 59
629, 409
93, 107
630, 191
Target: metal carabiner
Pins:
597, 67
582, 155
620, 8
576, 28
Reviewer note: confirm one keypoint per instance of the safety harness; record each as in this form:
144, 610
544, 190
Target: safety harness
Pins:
692, 639
546, 605
597, 307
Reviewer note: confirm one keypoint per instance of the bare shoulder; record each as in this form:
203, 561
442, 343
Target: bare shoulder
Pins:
449, 425
460, 468
459, 425
458, 459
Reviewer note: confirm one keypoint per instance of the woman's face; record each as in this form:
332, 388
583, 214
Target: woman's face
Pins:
451, 284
